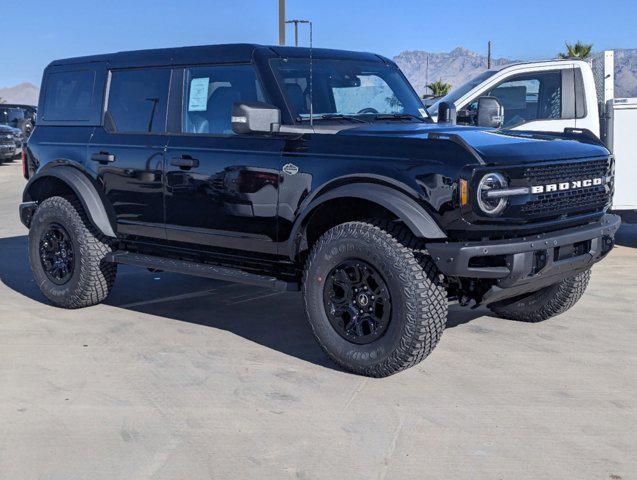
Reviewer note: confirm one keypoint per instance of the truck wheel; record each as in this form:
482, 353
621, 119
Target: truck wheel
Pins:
373, 306
67, 255
546, 303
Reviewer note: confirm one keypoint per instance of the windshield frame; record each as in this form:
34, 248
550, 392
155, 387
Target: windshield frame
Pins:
316, 116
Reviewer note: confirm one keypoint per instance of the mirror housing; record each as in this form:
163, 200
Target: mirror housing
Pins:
490, 112
255, 117
447, 113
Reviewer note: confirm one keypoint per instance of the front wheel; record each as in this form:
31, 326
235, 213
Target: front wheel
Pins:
375, 306
545, 303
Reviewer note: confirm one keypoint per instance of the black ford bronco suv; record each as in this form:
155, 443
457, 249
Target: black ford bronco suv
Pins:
315, 171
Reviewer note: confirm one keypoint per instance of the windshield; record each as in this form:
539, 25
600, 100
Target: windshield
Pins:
461, 90
347, 88
11, 116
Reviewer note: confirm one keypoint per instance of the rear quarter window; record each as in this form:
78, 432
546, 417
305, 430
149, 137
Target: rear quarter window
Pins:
69, 96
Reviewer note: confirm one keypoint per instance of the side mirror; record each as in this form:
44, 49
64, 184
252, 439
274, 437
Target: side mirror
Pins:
255, 117
490, 112
447, 113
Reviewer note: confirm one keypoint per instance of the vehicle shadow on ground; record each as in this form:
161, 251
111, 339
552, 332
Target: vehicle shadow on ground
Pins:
627, 235
273, 319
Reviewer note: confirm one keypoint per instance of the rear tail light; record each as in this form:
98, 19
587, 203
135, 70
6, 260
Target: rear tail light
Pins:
25, 170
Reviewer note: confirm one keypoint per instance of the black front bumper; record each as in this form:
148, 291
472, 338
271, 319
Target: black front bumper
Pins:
523, 265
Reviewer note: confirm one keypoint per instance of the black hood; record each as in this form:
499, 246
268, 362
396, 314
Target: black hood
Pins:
494, 146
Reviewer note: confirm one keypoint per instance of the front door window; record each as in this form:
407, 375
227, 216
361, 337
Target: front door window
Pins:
526, 98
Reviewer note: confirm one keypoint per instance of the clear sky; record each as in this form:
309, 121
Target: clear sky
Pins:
34, 32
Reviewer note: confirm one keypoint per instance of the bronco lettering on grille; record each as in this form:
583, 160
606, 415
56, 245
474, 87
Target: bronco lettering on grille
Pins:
555, 187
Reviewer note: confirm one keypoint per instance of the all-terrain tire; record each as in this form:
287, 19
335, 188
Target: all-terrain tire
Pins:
92, 277
418, 299
546, 303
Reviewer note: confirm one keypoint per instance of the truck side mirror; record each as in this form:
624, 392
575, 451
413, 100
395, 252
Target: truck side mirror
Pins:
447, 113
255, 117
490, 112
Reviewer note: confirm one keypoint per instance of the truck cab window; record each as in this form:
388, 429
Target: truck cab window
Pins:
530, 97
210, 93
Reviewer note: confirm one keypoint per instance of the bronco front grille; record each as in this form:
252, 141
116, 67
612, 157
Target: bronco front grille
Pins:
568, 202
582, 201
567, 171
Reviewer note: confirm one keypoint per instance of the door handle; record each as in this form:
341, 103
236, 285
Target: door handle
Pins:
103, 157
185, 162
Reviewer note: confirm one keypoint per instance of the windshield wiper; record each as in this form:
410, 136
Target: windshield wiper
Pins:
333, 116
398, 116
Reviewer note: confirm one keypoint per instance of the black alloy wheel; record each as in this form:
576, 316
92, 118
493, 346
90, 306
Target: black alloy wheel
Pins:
57, 255
357, 302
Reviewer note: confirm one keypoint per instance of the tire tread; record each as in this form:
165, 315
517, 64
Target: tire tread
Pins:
96, 275
426, 306
553, 300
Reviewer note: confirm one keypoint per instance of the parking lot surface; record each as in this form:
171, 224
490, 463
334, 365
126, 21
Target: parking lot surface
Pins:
177, 377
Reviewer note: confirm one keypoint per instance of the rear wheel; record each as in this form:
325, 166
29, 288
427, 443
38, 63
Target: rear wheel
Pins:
375, 306
67, 255
546, 303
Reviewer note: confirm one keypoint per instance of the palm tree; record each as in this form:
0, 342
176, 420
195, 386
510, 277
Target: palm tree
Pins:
439, 88
579, 50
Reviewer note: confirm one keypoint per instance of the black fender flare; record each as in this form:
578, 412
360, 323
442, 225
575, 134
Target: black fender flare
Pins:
83, 188
415, 217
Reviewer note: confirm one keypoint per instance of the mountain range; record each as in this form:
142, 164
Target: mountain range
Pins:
455, 67
24, 93
460, 65
421, 67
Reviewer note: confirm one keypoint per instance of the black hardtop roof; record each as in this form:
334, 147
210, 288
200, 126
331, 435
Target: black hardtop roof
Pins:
18, 105
228, 53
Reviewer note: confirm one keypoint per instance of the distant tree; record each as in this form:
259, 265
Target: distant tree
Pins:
579, 50
439, 88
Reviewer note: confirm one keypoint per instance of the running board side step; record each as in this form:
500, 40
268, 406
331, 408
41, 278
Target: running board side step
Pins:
200, 270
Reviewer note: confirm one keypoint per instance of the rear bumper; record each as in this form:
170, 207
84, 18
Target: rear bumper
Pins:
527, 264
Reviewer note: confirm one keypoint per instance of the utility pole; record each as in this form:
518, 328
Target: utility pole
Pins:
281, 22
427, 75
489, 56
296, 30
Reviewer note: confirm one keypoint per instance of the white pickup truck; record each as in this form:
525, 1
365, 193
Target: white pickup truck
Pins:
553, 95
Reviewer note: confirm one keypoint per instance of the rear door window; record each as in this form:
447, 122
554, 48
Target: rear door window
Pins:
137, 100
69, 96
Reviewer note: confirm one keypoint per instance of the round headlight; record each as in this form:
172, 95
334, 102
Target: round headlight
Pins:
492, 205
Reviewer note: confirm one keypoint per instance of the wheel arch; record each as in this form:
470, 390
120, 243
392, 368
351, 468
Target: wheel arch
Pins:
387, 201
65, 179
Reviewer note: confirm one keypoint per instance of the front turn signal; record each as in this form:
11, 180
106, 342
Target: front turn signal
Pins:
464, 196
